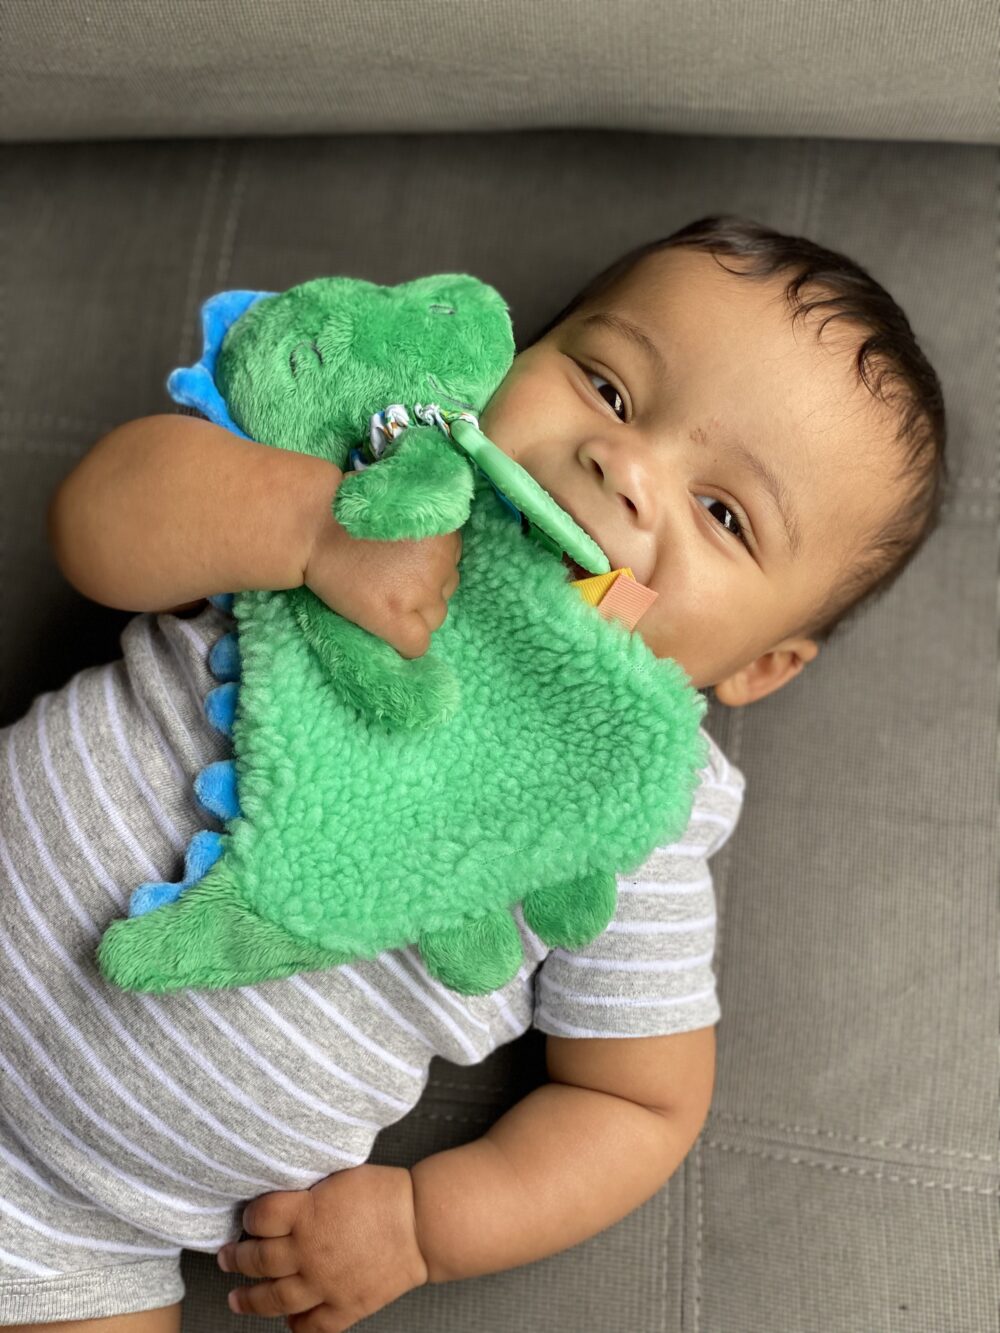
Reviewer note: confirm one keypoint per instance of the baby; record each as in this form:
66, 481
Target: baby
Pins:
708, 431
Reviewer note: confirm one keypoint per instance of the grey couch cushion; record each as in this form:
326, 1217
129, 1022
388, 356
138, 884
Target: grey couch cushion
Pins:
847, 1177
899, 69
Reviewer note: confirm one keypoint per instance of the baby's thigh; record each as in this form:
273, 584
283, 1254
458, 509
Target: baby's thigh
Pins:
166, 1320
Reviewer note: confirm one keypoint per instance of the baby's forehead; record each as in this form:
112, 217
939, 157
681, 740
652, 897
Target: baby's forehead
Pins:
835, 431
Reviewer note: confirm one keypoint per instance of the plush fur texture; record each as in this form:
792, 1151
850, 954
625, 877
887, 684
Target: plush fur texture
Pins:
374, 802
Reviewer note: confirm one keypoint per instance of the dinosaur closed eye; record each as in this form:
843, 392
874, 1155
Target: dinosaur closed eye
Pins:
293, 355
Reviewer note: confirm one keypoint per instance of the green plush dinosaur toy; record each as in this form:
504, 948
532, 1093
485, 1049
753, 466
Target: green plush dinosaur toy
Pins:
373, 802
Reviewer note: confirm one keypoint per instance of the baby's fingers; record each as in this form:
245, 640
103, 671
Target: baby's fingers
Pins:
289, 1295
275, 1214
260, 1258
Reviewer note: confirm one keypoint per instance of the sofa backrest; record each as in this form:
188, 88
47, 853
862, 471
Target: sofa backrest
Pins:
897, 69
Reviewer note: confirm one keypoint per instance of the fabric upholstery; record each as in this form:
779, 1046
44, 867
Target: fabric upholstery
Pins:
900, 69
847, 1177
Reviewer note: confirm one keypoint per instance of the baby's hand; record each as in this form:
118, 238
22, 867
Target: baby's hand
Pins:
336, 1253
396, 590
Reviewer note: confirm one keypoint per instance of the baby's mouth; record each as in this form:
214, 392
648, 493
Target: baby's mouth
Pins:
576, 570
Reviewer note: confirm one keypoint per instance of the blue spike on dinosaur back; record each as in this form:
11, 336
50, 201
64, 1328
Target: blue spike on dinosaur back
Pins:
195, 385
223, 601
220, 706
203, 851
224, 658
148, 897
215, 788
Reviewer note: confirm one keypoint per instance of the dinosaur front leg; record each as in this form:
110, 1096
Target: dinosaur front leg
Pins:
476, 956
571, 914
422, 488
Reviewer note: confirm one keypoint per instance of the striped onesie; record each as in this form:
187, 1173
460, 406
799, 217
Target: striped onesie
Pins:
135, 1125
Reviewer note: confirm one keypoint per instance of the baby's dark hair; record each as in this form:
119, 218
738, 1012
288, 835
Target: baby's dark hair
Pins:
903, 378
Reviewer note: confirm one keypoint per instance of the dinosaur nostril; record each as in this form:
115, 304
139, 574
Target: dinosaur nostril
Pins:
441, 309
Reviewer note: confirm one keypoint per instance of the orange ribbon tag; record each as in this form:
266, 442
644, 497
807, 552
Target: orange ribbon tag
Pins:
617, 594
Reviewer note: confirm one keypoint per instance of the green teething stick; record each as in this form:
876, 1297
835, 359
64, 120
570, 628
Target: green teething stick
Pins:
533, 500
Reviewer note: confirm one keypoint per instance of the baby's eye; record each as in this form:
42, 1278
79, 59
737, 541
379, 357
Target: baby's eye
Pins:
738, 532
614, 401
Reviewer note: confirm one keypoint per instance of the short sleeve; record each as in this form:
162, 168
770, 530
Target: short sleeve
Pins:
649, 973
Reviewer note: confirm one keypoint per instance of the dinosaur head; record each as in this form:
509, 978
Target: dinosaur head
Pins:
305, 369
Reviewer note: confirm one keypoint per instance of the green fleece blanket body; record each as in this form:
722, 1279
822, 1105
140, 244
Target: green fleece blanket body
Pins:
536, 751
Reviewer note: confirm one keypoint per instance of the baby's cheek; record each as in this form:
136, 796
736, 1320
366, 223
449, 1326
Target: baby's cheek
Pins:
520, 412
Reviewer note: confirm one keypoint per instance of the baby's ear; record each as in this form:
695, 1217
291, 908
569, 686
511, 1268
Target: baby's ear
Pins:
770, 672
423, 488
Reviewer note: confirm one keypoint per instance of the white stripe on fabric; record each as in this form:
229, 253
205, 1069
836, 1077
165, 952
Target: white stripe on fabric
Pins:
55, 1073
572, 1030
110, 809
27, 1265
111, 1168
660, 927
166, 749
100, 874
173, 834
392, 965
320, 1058
714, 784
140, 1057
278, 1076
459, 1003
680, 849
240, 1096
79, 1242
360, 1037
629, 1001
516, 1026
181, 779
710, 817
378, 999
651, 886
29, 1172
56, 875
633, 965
146, 621
194, 690
187, 630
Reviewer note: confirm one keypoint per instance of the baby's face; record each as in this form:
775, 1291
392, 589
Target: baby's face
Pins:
641, 444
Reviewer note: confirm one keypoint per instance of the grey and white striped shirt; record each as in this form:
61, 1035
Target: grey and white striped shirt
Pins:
171, 1111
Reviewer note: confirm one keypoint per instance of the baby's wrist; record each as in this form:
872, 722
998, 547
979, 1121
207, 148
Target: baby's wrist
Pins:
321, 534
417, 1266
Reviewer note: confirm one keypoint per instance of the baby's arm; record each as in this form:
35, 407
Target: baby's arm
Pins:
573, 1157
168, 509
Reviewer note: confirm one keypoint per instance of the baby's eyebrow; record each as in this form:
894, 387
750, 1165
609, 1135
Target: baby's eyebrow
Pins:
619, 324
774, 488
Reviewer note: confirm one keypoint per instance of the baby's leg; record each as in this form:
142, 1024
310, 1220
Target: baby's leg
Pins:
165, 1320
